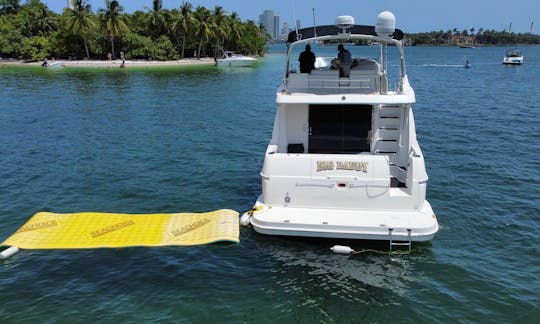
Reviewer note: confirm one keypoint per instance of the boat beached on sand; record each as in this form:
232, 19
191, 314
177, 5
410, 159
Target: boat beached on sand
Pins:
231, 59
343, 160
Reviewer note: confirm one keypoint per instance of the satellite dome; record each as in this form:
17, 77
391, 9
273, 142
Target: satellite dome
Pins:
344, 22
386, 24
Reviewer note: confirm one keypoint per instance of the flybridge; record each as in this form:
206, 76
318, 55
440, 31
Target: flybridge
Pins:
362, 75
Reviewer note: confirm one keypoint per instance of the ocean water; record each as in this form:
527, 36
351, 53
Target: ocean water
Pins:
193, 139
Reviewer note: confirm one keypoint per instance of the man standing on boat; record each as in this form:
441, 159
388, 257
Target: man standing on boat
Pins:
307, 60
345, 61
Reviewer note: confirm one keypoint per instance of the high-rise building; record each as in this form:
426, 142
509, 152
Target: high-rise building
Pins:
270, 22
275, 34
285, 30
70, 4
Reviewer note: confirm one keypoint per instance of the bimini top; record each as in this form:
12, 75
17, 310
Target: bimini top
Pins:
334, 30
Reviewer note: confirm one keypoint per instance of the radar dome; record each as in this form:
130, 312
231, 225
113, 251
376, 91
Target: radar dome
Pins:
344, 21
386, 24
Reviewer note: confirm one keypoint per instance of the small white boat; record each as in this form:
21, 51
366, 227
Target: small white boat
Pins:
343, 160
56, 65
230, 59
53, 64
513, 56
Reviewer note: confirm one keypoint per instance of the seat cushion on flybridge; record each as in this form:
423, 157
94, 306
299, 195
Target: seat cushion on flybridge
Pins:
107, 230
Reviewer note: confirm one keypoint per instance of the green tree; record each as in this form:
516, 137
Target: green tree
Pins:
162, 49
11, 37
137, 46
235, 29
38, 19
156, 20
220, 29
9, 7
183, 23
138, 23
80, 21
253, 40
36, 48
203, 26
112, 22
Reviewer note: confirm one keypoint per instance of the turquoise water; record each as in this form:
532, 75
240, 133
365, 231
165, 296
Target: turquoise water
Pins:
171, 140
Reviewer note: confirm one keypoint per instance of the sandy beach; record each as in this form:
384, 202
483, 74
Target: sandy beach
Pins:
113, 63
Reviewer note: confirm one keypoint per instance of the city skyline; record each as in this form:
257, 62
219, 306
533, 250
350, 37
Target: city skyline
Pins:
270, 21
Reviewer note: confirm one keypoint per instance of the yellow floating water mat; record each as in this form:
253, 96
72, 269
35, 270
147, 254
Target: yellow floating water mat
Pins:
106, 230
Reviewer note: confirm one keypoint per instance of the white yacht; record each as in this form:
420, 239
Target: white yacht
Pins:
343, 160
513, 56
230, 59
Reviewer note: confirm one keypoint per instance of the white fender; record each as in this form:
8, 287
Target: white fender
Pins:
10, 251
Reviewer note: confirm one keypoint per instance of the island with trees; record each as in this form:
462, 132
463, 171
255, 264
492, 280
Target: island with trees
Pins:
472, 36
32, 32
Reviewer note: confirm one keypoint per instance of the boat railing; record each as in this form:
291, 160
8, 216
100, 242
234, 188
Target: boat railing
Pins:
340, 83
330, 81
290, 82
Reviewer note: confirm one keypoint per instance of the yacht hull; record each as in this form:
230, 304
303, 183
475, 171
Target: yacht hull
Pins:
513, 60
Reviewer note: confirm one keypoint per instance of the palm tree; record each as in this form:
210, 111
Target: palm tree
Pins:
43, 20
80, 22
113, 23
235, 28
220, 28
204, 26
182, 24
156, 24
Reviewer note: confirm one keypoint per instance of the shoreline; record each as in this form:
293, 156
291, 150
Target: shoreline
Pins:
111, 64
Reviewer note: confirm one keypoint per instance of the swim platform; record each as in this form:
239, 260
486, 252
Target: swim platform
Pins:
90, 230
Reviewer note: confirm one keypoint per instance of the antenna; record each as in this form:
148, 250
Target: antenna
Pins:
532, 26
295, 23
314, 24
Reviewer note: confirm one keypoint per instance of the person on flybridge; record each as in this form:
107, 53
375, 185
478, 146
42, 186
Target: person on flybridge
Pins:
307, 60
345, 61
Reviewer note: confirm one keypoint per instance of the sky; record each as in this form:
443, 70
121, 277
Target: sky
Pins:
412, 16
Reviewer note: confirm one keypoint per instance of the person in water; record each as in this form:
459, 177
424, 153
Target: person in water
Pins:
307, 60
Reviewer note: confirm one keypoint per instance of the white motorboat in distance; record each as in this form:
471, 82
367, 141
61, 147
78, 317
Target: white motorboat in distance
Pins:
513, 56
230, 59
343, 160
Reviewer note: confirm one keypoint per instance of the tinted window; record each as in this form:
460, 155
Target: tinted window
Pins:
339, 128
